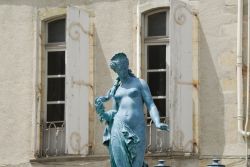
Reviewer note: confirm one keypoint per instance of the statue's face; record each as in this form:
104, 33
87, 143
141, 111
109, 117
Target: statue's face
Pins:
120, 67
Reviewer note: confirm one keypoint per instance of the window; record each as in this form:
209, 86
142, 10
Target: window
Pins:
156, 62
167, 66
54, 123
66, 84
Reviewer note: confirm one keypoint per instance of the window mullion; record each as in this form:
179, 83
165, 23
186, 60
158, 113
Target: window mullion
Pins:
56, 76
56, 102
156, 70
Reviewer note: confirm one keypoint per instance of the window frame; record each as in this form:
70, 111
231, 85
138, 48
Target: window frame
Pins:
154, 11
46, 34
46, 48
150, 41
46, 82
156, 40
157, 70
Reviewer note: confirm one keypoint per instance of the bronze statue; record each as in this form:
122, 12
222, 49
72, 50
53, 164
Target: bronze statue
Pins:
124, 134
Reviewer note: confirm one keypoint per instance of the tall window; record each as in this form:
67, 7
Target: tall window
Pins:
65, 109
156, 64
54, 118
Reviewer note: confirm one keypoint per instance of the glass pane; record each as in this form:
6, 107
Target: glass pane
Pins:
56, 63
161, 106
157, 24
56, 89
157, 83
55, 112
156, 57
56, 31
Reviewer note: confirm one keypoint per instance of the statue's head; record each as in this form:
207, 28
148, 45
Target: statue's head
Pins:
119, 63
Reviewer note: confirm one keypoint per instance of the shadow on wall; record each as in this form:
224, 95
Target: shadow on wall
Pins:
102, 83
245, 65
212, 139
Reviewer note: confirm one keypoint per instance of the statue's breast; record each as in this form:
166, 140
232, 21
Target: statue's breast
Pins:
126, 92
117, 97
133, 93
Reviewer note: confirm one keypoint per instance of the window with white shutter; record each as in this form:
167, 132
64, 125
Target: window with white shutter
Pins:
54, 94
66, 97
167, 67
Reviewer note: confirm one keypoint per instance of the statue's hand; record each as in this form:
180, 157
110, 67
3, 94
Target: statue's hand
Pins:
99, 104
162, 126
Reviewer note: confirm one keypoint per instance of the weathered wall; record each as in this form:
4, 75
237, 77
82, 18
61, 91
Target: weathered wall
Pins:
217, 74
115, 31
17, 77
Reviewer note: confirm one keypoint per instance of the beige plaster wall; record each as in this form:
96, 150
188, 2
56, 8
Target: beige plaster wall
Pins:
17, 93
217, 75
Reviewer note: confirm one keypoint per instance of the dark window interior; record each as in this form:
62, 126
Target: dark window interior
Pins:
157, 24
56, 31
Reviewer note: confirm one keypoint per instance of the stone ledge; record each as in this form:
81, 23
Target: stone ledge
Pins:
69, 158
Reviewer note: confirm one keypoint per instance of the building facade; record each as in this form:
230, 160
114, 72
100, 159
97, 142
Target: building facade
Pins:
55, 60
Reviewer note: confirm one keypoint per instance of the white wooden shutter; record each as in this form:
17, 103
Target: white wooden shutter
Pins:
77, 79
181, 77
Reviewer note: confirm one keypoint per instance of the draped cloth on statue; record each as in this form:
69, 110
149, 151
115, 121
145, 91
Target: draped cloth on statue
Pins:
124, 145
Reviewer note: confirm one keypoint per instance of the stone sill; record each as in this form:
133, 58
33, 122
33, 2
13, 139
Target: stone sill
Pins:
69, 158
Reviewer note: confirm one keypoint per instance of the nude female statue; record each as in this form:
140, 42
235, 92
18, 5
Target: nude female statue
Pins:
125, 125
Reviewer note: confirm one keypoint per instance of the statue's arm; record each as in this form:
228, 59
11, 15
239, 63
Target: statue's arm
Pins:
114, 105
154, 114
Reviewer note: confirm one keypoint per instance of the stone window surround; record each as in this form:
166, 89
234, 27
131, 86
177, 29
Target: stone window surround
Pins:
42, 16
